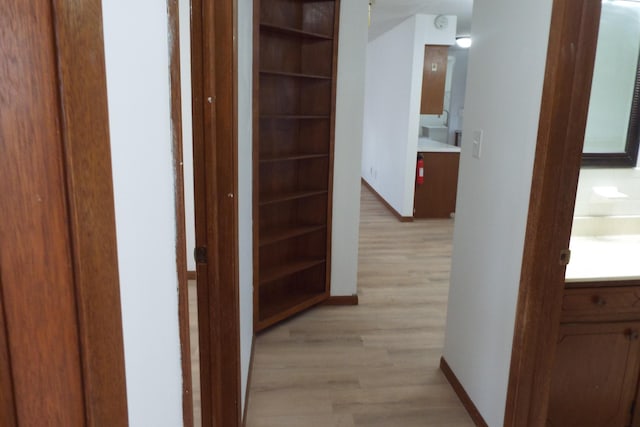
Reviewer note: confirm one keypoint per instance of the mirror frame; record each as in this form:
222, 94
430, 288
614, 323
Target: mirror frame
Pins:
628, 158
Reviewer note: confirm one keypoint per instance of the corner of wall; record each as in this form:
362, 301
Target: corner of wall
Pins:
348, 147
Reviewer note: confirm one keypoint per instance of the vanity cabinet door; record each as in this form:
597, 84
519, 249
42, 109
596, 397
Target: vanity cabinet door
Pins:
595, 375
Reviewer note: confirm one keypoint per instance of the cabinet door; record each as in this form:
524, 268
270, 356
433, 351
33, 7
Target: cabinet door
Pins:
433, 79
595, 375
436, 197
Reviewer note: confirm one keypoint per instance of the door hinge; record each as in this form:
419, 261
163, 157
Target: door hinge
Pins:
565, 256
200, 254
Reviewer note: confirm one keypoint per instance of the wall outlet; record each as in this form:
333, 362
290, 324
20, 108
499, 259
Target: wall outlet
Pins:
477, 143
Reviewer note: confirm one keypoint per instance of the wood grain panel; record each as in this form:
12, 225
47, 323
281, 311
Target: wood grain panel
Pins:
7, 400
594, 377
181, 245
436, 197
82, 85
214, 79
610, 303
434, 76
563, 116
35, 249
295, 66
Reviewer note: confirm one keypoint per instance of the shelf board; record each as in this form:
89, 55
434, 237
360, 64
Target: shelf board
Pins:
296, 75
283, 233
293, 195
290, 31
272, 311
281, 271
283, 158
294, 117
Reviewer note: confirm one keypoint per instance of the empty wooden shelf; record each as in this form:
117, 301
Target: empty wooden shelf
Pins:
295, 62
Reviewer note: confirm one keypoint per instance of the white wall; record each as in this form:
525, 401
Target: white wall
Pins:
386, 112
458, 91
392, 106
504, 90
137, 60
187, 128
245, 215
348, 146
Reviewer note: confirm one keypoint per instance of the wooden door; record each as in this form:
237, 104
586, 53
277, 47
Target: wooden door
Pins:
61, 355
215, 160
433, 79
595, 375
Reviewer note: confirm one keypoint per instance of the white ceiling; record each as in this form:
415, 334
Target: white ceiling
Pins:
386, 14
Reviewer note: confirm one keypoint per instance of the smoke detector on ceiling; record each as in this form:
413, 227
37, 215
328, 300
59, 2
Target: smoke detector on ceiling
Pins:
441, 22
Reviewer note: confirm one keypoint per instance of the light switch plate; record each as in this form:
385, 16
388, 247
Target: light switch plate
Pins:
477, 143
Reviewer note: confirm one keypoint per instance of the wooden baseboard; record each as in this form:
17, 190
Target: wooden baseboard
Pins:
462, 394
246, 392
191, 275
384, 202
342, 300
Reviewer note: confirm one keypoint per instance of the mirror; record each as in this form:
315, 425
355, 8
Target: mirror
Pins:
612, 132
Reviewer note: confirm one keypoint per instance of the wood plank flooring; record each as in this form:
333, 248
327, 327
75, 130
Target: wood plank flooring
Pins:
195, 354
371, 365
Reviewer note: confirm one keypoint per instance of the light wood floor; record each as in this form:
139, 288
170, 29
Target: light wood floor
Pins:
371, 365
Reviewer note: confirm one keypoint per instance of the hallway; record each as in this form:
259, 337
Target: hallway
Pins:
375, 364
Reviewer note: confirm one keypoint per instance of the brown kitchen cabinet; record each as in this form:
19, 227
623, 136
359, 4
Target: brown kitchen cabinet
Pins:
595, 376
436, 197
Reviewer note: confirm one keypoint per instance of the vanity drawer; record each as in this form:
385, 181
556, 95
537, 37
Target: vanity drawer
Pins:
610, 303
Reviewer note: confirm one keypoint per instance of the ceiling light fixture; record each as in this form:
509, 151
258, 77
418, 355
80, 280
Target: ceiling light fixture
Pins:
463, 42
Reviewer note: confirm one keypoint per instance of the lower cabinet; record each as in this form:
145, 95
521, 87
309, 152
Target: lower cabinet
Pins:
436, 197
595, 377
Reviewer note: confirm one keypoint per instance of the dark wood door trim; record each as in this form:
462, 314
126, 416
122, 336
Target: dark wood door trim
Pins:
7, 403
85, 135
181, 244
71, 306
565, 100
214, 90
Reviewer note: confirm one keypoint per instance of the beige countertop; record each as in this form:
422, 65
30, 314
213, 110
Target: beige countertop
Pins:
428, 145
606, 258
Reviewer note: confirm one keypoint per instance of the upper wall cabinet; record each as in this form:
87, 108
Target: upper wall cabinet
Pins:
433, 79
295, 62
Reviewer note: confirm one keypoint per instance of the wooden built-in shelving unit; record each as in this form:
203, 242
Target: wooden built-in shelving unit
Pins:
295, 62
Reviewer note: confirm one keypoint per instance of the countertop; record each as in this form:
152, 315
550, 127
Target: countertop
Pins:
428, 145
605, 258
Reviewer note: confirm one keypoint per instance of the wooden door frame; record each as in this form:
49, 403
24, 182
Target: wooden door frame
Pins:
215, 152
565, 101
181, 244
84, 125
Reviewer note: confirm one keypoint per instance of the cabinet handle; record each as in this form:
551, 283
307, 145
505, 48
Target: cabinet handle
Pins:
599, 301
632, 334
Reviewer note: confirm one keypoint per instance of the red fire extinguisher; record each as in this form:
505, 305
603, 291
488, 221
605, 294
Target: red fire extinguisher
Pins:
420, 170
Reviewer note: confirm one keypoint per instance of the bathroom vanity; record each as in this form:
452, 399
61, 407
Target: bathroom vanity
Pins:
436, 197
597, 366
